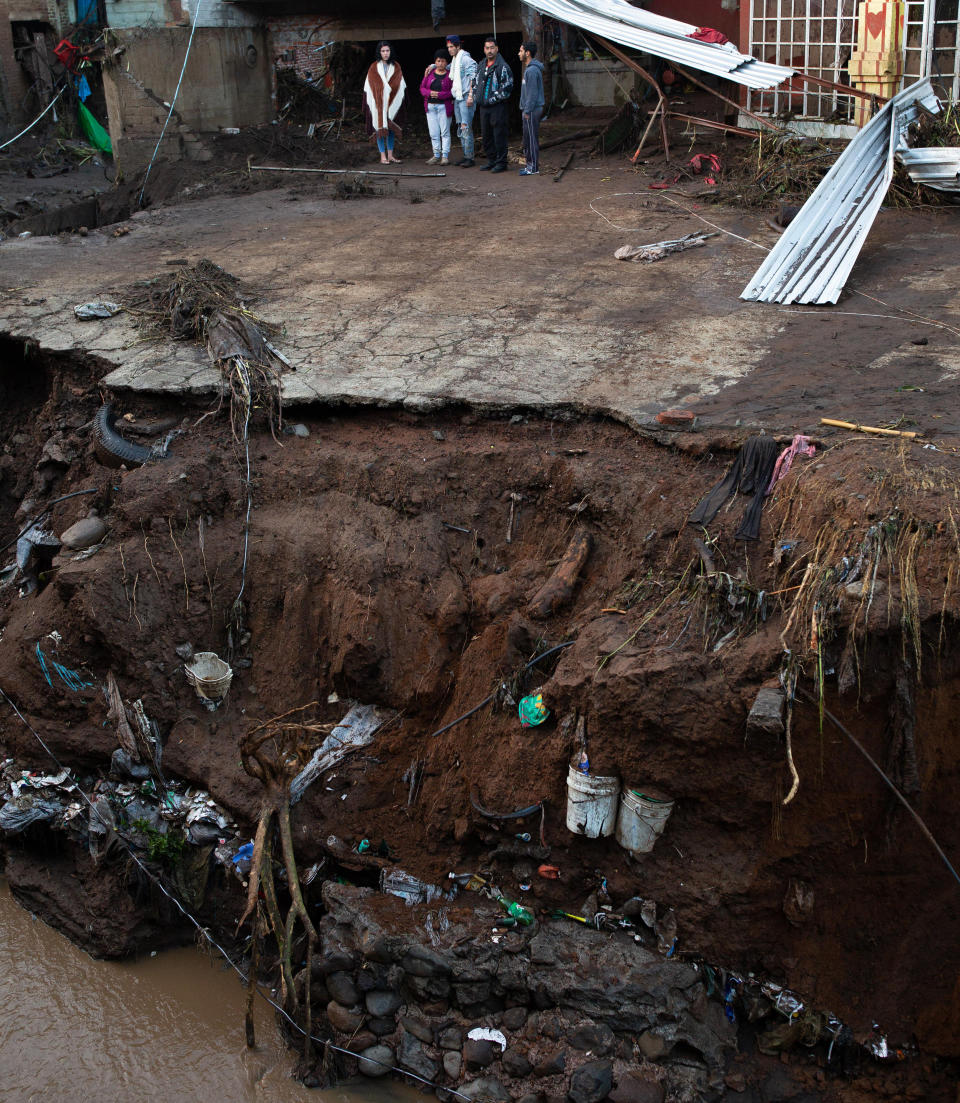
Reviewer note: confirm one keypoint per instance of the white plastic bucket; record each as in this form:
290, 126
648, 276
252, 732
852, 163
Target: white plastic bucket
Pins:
209, 675
643, 816
591, 803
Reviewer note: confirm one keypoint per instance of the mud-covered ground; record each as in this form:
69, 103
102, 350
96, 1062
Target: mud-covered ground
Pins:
361, 585
380, 571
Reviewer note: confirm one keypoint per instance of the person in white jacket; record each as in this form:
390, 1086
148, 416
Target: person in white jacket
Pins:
462, 71
383, 92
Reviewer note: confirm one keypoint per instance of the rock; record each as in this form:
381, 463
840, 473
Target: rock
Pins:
515, 1064
541, 950
451, 1038
184, 651
421, 962
452, 1064
531, 1097
486, 1088
594, 1037
334, 961
411, 1056
591, 1082
421, 1029
735, 1081
478, 1053
342, 989
344, 1019
633, 1088
359, 1042
381, 1004
514, 1018
376, 1061
766, 713
652, 1046
84, 534
552, 1066
633, 907
383, 1026
299, 430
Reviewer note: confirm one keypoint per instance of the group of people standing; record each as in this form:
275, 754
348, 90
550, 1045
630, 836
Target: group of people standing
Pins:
455, 87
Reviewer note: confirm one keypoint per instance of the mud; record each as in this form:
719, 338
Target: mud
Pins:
362, 585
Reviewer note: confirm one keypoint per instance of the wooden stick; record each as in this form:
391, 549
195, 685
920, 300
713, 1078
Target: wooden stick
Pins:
343, 172
563, 168
714, 125
867, 428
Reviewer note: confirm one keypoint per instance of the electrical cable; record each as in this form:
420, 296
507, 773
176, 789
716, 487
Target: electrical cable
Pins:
807, 696
201, 930
186, 57
35, 121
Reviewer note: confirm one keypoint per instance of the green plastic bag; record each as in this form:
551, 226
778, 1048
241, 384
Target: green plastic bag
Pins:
99, 138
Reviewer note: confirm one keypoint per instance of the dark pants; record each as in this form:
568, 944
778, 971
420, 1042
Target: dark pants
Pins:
493, 128
531, 138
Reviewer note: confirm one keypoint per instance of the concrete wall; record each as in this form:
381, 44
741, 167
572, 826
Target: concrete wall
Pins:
226, 83
161, 13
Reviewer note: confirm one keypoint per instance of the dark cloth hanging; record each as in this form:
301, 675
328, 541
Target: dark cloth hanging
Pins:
749, 473
438, 11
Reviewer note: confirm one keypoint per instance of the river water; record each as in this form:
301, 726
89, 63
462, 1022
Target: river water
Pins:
161, 1029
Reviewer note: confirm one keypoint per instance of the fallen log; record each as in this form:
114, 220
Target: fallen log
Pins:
563, 169
559, 587
592, 133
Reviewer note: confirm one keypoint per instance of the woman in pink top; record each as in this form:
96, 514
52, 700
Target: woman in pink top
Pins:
437, 91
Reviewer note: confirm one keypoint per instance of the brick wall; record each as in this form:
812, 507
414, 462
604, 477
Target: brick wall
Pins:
160, 13
297, 42
14, 84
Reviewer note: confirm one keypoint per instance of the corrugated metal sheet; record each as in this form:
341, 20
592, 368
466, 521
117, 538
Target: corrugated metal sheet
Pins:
935, 166
619, 22
813, 258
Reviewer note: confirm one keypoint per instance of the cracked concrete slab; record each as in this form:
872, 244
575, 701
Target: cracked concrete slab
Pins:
506, 302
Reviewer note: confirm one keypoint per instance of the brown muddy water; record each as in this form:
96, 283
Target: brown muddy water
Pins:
158, 1030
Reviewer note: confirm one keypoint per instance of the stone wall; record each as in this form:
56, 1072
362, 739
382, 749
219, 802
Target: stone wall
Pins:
578, 1009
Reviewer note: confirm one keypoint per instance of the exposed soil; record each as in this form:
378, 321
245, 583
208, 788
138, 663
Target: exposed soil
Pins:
361, 586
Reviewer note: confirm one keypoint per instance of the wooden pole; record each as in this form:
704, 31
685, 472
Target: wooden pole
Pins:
867, 428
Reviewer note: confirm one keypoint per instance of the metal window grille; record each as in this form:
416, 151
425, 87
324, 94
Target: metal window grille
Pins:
932, 45
817, 36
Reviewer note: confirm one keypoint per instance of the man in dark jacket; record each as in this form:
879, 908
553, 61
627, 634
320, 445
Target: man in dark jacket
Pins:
492, 85
531, 107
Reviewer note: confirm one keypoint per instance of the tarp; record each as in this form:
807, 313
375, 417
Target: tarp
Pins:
99, 138
622, 23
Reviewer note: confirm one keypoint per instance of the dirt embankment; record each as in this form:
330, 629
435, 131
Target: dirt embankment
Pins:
384, 568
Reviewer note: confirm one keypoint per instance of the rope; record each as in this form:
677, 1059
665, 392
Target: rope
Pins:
201, 930
186, 56
36, 120
248, 396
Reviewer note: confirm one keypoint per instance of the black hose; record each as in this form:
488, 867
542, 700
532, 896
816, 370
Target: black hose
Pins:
487, 700
518, 815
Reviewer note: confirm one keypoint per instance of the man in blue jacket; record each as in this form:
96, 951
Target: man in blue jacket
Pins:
492, 85
531, 107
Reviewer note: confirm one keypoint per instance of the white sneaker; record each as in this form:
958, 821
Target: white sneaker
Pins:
444, 160
434, 160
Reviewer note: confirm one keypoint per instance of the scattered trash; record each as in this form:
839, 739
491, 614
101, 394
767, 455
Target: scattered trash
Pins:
488, 1034
70, 678
532, 710
36, 548
395, 882
436, 927
357, 729
549, 873
101, 309
210, 676
524, 836
657, 250
517, 911
799, 446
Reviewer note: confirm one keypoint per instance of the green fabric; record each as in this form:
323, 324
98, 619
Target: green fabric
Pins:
533, 711
99, 138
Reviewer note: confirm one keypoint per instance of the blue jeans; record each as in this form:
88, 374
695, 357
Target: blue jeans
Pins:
464, 116
384, 144
438, 123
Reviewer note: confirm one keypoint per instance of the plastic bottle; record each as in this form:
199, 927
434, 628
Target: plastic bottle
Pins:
521, 914
524, 836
